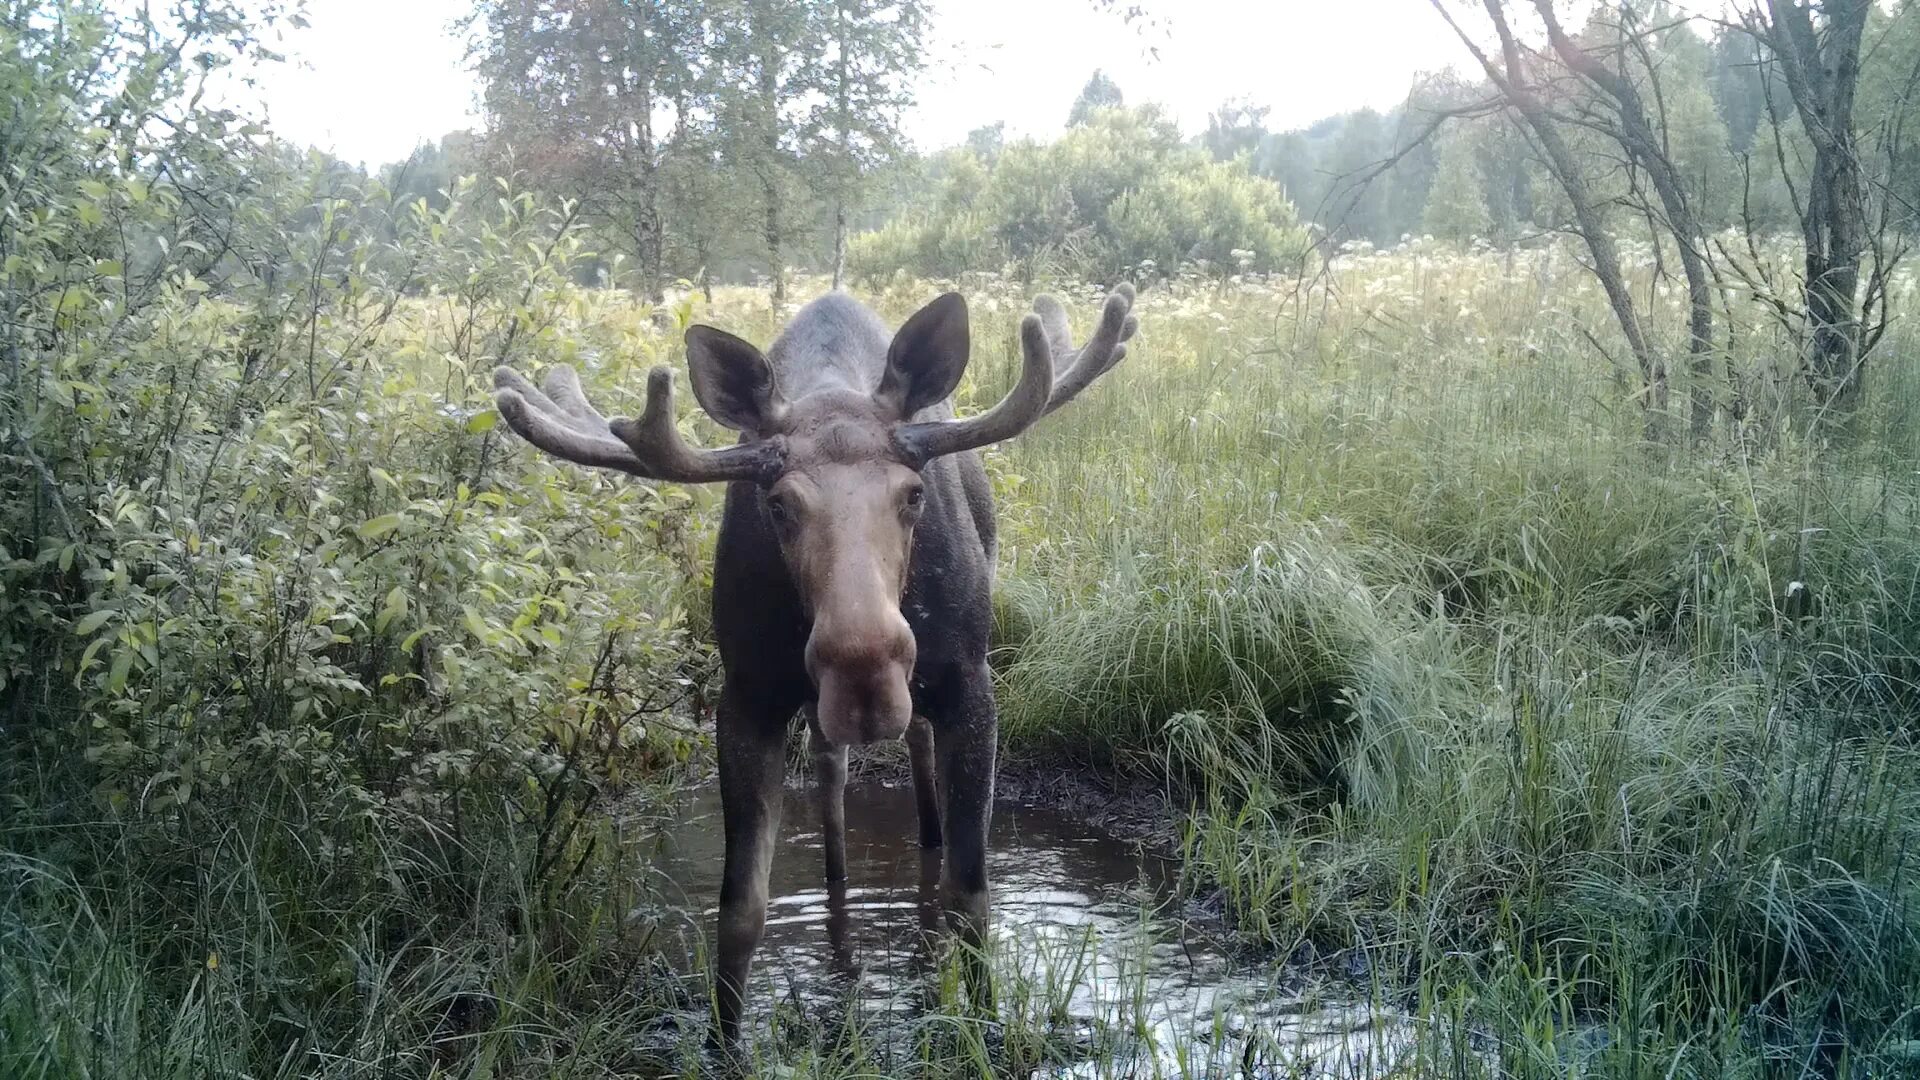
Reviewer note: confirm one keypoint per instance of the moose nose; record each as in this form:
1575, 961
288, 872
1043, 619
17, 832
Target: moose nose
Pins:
862, 680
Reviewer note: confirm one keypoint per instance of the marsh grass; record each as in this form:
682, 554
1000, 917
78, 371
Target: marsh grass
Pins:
1574, 733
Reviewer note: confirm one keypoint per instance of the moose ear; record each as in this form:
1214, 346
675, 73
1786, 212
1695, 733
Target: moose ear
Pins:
927, 357
733, 381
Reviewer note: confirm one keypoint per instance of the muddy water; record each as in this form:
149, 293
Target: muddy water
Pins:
1087, 943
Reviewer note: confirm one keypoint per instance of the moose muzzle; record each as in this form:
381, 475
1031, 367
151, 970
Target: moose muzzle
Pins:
861, 673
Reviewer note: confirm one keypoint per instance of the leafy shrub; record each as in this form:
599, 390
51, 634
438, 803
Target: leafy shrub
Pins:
315, 687
1118, 195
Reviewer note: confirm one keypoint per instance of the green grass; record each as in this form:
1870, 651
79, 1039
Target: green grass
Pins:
1459, 671
1458, 674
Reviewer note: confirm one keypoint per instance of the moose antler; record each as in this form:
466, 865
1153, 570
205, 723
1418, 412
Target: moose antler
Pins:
562, 422
1024, 404
1102, 352
1043, 337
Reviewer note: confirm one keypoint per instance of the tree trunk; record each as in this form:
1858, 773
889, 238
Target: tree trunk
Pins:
652, 238
653, 251
1701, 381
769, 87
1644, 146
1821, 71
776, 261
649, 242
1512, 84
843, 85
839, 241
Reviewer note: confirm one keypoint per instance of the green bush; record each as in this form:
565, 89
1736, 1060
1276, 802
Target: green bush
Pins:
1118, 196
316, 687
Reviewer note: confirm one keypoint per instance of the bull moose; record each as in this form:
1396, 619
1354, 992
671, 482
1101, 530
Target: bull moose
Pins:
853, 571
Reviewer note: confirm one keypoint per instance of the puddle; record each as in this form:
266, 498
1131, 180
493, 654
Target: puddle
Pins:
1085, 944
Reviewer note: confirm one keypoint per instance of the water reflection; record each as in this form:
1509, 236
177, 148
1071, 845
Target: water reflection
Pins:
1075, 924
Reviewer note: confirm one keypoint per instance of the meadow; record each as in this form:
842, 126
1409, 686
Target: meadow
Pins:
342, 718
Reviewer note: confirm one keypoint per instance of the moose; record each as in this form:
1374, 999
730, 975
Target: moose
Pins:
853, 570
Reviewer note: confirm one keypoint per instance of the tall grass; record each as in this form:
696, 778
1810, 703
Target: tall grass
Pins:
1458, 670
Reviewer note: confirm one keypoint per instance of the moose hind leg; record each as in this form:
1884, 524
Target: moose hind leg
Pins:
830, 791
926, 788
751, 740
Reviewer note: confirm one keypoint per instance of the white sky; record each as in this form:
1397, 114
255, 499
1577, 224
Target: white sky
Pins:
371, 79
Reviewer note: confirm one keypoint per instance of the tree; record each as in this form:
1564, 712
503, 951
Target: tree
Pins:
429, 172
1456, 206
1519, 84
1737, 92
765, 64
628, 106
702, 197
1820, 66
1507, 173
573, 88
1289, 160
1889, 92
1353, 207
1678, 64
1409, 180
1101, 92
986, 142
1603, 61
875, 46
1235, 128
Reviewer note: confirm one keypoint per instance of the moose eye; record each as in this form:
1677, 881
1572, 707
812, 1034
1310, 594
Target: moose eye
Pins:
778, 508
915, 497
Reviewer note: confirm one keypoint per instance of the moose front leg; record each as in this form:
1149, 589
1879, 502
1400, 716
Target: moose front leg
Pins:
926, 788
751, 738
830, 791
964, 738
966, 764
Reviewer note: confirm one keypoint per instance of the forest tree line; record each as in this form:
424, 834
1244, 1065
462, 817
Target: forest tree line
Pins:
737, 140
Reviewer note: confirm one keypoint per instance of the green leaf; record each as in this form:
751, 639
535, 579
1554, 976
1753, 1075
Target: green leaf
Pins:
94, 621
376, 528
395, 607
86, 658
117, 678
482, 422
73, 300
475, 624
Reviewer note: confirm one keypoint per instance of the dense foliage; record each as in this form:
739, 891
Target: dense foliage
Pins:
1118, 195
312, 686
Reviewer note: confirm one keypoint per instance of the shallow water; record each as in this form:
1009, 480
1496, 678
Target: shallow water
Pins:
1087, 943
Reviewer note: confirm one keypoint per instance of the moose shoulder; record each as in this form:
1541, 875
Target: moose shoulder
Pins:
854, 568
